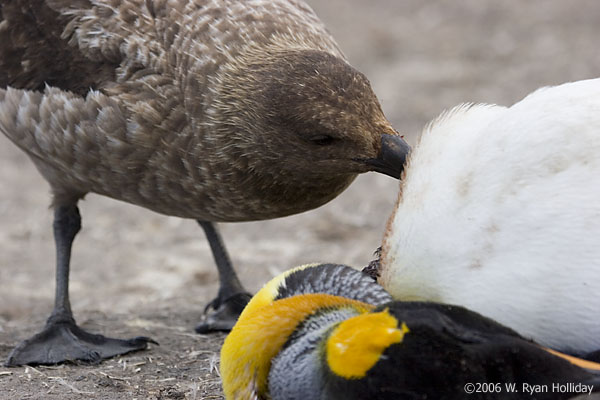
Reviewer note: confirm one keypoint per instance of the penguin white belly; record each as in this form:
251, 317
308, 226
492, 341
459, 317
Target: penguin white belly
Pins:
499, 211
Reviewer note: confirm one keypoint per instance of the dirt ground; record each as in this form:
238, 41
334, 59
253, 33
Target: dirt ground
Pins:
139, 273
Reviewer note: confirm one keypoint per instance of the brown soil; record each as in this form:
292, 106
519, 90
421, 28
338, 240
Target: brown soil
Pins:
138, 273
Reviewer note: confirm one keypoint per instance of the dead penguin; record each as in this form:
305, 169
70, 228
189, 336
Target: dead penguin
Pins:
218, 111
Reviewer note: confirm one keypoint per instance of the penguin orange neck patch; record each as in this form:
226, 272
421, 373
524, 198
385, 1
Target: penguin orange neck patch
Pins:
356, 344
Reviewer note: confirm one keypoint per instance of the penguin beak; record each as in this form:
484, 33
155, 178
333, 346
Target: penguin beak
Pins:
392, 156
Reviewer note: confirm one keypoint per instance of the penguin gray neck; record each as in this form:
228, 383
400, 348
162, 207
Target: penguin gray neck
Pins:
301, 356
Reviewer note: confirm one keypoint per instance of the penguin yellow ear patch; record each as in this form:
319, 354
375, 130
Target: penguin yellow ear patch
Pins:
357, 343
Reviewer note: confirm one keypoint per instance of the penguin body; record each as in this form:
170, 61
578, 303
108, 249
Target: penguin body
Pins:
499, 212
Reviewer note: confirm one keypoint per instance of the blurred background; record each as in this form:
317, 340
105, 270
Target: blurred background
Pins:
421, 57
